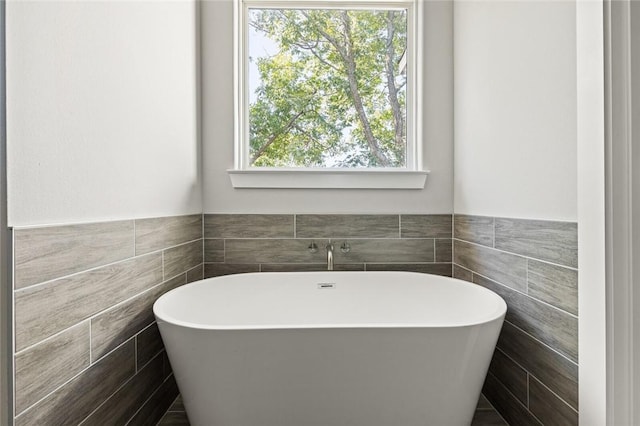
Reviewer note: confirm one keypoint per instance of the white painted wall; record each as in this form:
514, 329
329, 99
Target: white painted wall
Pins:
217, 113
101, 110
515, 109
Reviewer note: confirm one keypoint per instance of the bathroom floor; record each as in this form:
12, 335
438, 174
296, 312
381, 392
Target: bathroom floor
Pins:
485, 415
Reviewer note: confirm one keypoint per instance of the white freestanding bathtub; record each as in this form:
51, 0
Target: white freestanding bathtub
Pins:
330, 348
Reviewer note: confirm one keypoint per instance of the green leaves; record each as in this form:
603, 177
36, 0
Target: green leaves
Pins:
332, 95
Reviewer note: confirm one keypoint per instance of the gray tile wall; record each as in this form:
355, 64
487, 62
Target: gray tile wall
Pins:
532, 264
87, 350
253, 243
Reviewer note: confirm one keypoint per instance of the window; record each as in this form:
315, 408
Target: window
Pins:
327, 89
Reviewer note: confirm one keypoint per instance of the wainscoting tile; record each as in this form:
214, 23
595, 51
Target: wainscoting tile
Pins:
308, 267
549, 408
425, 225
444, 250
462, 273
555, 371
42, 254
217, 269
153, 410
487, 418
510, 375
148, 345
507, 405
122, 405
555, 242
42, 368
505, 268
182, 258
178, 404
387, 251
347, 226
174, 419
483, 403
426, 268
475, 229
70, 404
555, 285
213, 250
161, 232
556, 328
248, 226
275, 251
43, 310
118, 324
195, 274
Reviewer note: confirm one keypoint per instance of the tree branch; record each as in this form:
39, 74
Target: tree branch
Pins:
392, 90
275, 136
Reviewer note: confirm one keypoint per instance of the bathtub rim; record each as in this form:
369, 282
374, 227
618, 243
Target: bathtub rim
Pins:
499, 313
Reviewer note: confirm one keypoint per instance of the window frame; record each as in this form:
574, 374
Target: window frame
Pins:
411, 176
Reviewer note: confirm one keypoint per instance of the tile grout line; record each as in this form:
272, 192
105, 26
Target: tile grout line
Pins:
95, 268
516, 254
126, 382
149, 399
534, 376
515, 398
544, 344
72, 379
525, 294
95, 315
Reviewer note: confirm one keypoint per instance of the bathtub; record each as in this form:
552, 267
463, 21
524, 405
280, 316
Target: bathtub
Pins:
330, 348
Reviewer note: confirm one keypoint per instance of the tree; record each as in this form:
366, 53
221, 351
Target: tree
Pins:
333, 94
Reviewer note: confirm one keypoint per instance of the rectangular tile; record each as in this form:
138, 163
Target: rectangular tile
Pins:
483, 403
505, 268
43, 254
551, 326
174, 419
153, 410
70, 404
213, 250
43, 310
475, 229
387, 251
148, 345
307, 267
248, 226
462, 273
553, 284
555, 242
195, 274
555, 371
217, 269
512, 376
118, 324
487, 418
512, 410
42, 368
177, 405
347, 226
122, 405
275, 251
182, 258
162, 232
425, 225
547, 407
444, 250
426, 268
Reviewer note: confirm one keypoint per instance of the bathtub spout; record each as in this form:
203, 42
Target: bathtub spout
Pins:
330, 257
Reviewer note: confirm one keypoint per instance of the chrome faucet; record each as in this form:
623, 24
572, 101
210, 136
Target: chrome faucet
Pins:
330, 257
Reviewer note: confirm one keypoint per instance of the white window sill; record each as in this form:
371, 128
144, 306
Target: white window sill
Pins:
328, 178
